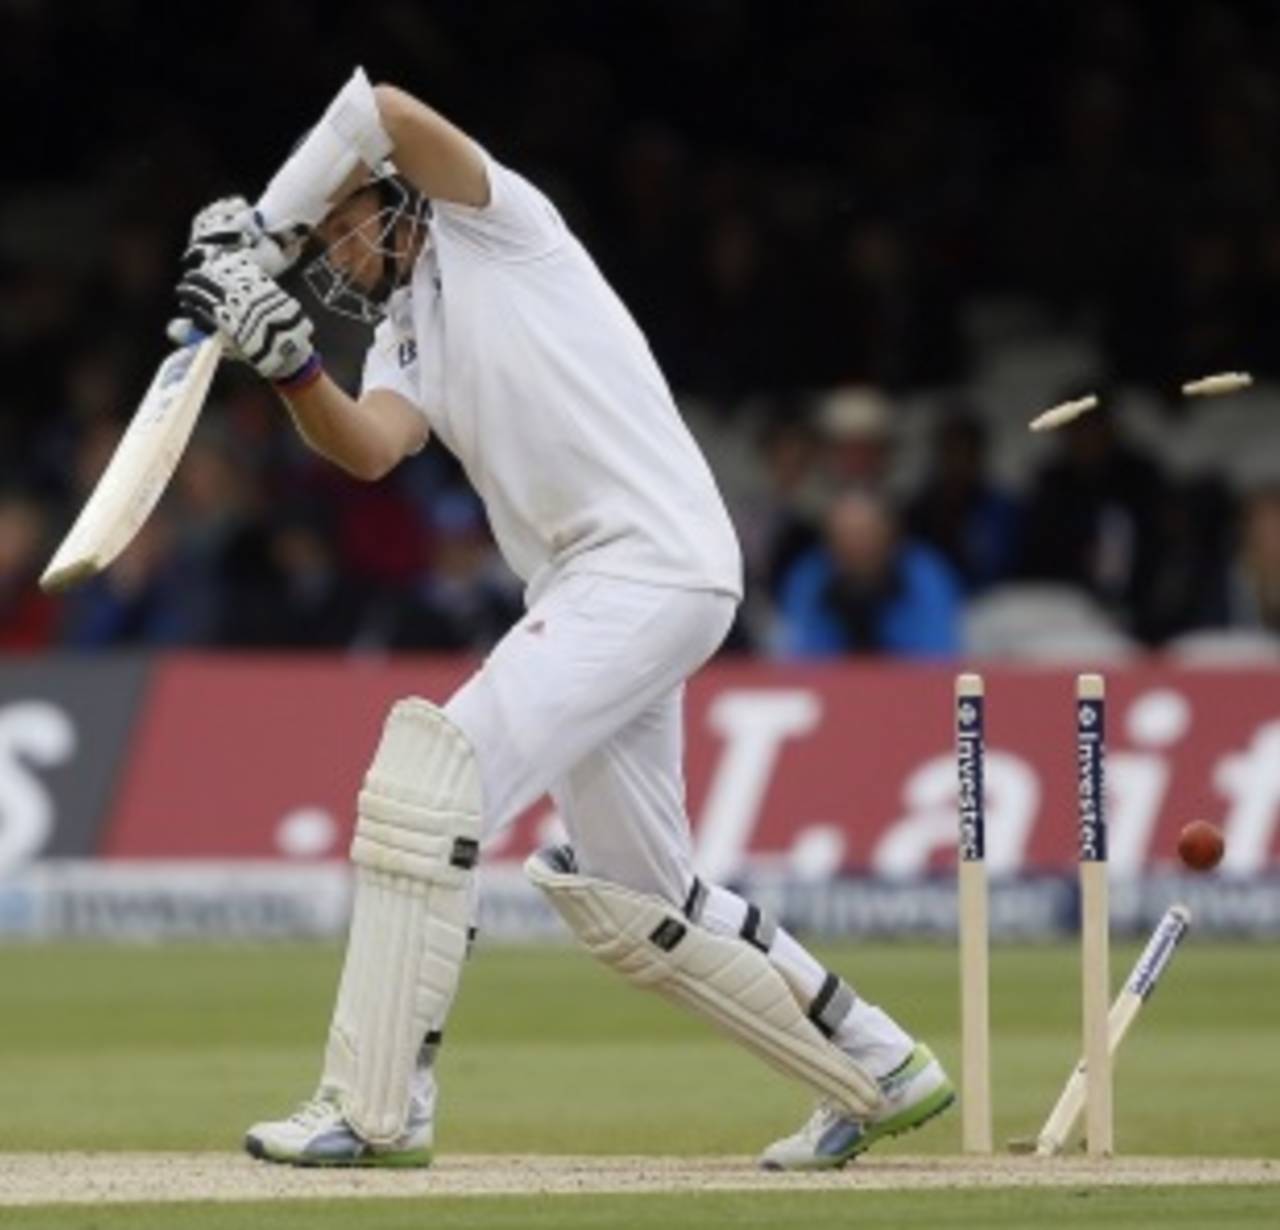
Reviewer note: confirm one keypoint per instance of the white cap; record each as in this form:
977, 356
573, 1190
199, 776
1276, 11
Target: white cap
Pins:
854, 412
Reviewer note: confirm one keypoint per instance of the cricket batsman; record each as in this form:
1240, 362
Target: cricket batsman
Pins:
496, 331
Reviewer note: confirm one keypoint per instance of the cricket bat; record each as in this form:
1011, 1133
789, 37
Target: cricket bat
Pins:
141, 466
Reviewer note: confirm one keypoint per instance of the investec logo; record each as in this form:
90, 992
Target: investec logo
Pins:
970, 788
1093, 836
1152, 962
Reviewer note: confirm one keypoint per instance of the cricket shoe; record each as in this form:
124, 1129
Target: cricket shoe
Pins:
913, 1092
316, 1134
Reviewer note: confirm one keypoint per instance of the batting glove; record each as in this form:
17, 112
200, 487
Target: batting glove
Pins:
231, 225
265, 325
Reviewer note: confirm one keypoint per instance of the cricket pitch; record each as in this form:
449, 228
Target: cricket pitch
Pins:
114, 1178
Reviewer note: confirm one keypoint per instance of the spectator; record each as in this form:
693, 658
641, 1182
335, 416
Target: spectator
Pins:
777, 511
219, 535
855, 426
780, 522
1094, 517
734, 349
866, 590
28, 617
959, 510
299, 596
468, 598
1255, 581
140, 600
770, 237
1189, 585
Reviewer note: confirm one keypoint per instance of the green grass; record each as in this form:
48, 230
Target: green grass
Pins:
1120, 1209
179, 1048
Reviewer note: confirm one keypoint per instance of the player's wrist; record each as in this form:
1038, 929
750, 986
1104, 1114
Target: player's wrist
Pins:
302, 377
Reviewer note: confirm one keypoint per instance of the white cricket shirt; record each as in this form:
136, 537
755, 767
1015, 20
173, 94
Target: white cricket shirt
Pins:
533, 373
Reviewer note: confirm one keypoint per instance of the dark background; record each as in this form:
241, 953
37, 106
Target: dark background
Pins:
791, 199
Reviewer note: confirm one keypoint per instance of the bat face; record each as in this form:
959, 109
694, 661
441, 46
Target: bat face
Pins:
140, 468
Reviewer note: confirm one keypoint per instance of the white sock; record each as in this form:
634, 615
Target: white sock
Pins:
868, 1034
871, 1037
422, 1092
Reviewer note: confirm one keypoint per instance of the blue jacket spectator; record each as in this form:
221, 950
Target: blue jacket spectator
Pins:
867, 591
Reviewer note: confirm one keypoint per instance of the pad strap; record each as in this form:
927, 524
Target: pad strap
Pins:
831, 1005
696, 901
758, 929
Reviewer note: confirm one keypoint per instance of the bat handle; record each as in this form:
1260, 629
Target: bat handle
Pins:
183, 331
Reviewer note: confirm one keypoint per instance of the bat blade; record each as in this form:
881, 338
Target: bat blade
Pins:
140, 468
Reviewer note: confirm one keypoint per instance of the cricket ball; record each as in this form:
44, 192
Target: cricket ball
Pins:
1200, 845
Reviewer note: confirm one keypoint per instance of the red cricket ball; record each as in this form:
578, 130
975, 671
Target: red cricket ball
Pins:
1200, 845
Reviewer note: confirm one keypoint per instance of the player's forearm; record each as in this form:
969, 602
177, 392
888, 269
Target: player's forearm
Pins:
439, 160
337, 427
362, 126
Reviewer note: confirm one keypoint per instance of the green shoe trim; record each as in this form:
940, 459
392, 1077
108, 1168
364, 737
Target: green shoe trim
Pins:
919, 1059
908, 1119
401, 1158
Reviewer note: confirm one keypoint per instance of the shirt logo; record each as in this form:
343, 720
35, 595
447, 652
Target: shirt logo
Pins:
407, 352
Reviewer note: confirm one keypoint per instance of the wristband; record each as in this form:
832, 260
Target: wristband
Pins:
304, 377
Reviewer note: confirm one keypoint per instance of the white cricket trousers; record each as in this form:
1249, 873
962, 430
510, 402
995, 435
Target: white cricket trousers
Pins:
583, 699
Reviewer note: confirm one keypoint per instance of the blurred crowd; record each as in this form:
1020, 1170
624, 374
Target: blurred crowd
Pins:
818, 217
1120, 552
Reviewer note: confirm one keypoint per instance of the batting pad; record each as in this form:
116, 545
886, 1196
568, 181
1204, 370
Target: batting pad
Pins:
415, 847
723, 978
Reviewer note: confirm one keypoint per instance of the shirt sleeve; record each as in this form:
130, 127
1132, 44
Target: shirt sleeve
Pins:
518, 223
392, 363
